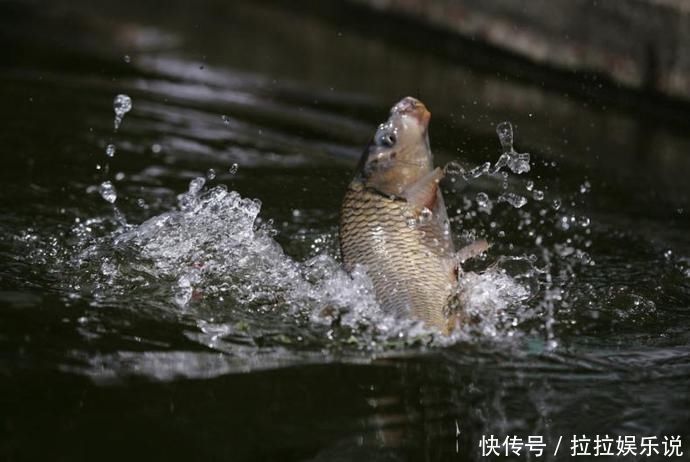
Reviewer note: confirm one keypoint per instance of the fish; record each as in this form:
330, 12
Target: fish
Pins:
394, 224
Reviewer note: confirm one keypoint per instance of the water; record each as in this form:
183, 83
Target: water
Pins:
184, 299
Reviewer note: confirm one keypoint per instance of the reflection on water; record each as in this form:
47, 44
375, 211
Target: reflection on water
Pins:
201, 306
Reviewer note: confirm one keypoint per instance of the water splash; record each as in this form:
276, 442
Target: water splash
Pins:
518, 163
219, 262
122, 104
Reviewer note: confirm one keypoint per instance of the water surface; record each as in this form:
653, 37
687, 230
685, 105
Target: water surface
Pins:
194, 306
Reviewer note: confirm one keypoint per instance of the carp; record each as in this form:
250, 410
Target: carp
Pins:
393, 222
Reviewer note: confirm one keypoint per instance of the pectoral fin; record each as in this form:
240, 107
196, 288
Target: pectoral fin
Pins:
473, 250
423, 193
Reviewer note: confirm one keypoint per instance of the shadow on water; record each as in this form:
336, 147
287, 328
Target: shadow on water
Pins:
187, 319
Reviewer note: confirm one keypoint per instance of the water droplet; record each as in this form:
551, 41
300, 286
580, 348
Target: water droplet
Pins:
583, 221
556, 204
119, 176
478, 171
122, 104
482, 199
513, 199
233, 169
127, 59
226, 119
585, 187
210, 174
196, 185
110, 150
529, 185
538, 195
504, 130
156, 148
107, 192
425, 216
453, 168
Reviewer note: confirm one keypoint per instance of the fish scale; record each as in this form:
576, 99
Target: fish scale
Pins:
409, 265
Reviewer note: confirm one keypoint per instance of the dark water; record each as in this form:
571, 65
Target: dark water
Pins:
201, 334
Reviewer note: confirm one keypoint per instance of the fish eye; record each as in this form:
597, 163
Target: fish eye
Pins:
386, 138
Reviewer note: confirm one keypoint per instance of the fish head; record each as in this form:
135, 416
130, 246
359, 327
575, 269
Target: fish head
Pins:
399, 153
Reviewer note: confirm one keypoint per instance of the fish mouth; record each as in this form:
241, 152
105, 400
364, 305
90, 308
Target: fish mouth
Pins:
413, 107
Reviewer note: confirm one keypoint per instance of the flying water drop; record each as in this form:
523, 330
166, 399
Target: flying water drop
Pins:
504, 130
425, 216
108, 192
110, 150
122, 104
482, 199
513, 199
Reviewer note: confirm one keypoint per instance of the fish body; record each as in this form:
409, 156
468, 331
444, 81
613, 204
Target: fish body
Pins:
393, 221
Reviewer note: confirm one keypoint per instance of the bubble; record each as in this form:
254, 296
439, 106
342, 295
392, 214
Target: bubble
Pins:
156, 148
122, 104
108, 192
110, 150
233, 169
538, 195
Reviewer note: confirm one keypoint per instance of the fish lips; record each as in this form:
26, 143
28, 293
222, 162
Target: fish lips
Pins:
410, 106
